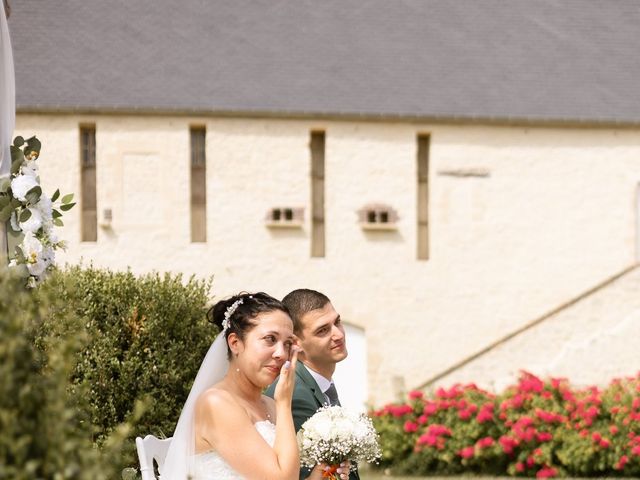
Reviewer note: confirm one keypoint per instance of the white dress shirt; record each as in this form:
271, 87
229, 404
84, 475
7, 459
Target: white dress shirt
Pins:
322, 382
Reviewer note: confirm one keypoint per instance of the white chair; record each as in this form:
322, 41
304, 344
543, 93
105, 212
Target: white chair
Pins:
149, 449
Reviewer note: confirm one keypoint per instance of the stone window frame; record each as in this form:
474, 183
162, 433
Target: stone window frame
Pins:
378, 216
285, 217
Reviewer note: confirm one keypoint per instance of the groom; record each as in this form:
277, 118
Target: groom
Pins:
322, 340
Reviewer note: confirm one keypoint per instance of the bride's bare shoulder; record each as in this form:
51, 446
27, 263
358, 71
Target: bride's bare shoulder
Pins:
217, 400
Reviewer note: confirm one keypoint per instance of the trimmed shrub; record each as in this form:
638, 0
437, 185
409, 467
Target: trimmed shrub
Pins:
45, 429
534, 428
147, 336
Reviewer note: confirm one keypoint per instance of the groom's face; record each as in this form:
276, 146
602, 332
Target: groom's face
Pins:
322, 338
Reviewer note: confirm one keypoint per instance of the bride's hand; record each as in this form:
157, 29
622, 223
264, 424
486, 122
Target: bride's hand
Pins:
287, 380
343, 471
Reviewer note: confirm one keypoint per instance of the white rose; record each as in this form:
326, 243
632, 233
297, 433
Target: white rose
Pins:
34, 222
30, 167
45, 207
31, 248
49, 255
362, 431
21, 185
323, 430
37, 268
14, 222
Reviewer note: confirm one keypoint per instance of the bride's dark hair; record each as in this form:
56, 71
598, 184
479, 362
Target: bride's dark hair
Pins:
241, 309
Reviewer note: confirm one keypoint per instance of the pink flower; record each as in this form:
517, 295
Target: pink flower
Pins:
400, 410
530, 383
524, 421
422, 419
427, 439
430, 408
415, 394
604, 443
517, 401
557, 382
439, 430
485, 442
622, 462
591, 412
508, 444
467, 452
464, 414
544, 436
519, 467
596, 437
636, 450
546, 472
613, 429
484, 416
410, 427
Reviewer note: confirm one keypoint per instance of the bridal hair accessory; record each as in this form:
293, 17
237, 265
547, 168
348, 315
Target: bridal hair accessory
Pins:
227, 315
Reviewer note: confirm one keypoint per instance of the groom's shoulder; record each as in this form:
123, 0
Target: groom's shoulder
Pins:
300, 386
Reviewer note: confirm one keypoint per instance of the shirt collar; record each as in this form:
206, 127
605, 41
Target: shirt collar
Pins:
322, 382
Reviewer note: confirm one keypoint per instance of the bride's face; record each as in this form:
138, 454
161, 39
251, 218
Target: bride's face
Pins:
265, 347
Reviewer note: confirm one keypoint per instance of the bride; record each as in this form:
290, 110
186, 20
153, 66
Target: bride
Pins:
228, 429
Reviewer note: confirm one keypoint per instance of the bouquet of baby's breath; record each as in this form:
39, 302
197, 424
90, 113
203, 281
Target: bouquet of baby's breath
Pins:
333, 435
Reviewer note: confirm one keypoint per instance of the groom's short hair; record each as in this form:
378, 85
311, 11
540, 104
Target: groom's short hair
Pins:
302, 301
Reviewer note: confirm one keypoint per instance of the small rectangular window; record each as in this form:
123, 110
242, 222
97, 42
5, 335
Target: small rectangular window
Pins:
423, 196
198, 185
88, 202
317, 146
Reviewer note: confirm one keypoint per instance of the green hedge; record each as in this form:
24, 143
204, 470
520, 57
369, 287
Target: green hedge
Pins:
89, 360
45, 429
146, 338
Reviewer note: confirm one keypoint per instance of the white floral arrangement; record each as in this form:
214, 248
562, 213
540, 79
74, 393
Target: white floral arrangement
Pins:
335, 434
29, 214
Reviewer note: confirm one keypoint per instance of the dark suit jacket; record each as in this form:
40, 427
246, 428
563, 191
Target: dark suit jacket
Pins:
307, 399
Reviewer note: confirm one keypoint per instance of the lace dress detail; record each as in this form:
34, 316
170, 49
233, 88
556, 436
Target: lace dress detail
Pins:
210, 466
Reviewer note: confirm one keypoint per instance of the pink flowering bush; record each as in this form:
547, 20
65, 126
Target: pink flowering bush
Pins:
536, 428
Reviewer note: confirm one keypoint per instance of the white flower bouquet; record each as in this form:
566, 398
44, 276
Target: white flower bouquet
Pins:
29, 214
335, 434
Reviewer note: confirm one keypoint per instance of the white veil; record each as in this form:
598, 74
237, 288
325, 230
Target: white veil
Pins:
179, 458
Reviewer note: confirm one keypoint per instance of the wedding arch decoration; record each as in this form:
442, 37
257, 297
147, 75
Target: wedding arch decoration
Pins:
29, 214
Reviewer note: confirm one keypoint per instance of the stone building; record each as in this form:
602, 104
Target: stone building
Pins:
461, 178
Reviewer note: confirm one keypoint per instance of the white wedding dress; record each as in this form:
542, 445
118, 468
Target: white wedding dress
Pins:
211, 466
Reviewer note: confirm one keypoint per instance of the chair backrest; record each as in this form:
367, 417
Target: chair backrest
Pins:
151, 448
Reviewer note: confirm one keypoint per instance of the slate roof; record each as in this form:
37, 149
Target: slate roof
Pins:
504, 60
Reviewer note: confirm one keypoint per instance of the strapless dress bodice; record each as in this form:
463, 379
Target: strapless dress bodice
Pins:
211, 466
